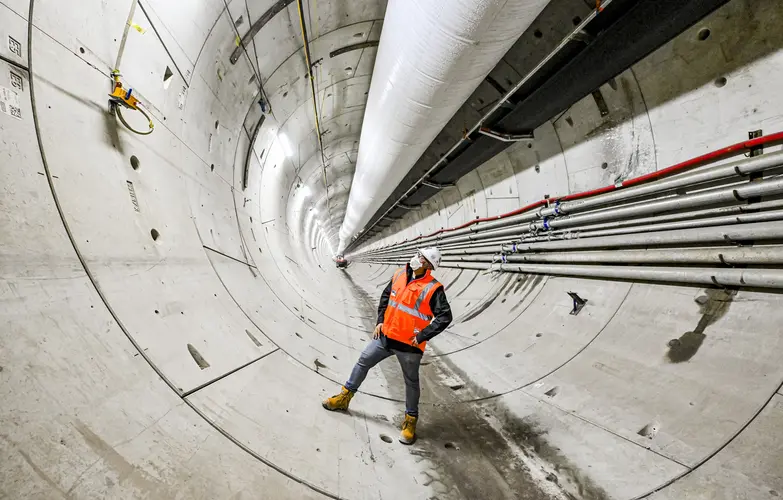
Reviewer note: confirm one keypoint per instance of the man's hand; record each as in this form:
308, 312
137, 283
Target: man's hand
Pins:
377, 332
415, 342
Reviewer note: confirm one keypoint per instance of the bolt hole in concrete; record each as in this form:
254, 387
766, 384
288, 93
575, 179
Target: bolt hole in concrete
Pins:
217, 124
135, 164
604, 165
348, 69
212, 168
704, 34
450, 446
720, 82
538, 34
385, 438
509, 354
576, 20
539, 334
155, 234
81, 49
538, 168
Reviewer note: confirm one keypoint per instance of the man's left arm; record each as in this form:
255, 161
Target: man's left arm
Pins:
441, 310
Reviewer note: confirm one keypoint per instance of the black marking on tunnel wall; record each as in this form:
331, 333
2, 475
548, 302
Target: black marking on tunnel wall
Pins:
134, 200
355, 46
246, 171
256, 27
598, 97
253, 338
712, 306
197, 357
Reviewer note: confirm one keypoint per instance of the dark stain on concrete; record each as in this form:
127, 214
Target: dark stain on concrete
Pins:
531, 437
712, 306
483, 306
128, 474
446, 288
468, 285
531, 285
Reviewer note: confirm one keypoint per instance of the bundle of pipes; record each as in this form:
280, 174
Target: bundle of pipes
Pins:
699, 217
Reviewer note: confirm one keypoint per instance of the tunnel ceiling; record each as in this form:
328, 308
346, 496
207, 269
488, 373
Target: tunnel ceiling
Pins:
342, 42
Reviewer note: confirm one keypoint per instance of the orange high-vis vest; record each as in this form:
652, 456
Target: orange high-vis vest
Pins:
409, 311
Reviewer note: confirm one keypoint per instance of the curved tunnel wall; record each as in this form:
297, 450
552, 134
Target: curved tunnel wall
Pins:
192, 365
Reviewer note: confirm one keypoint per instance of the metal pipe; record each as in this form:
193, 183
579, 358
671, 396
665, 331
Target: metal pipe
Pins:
679, 167
760, 231
690, 215
754, 278
771, 215
733, 234
500, 136
716, 255
742, 168
711, 197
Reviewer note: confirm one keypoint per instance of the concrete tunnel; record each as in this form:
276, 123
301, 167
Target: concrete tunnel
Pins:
171, 315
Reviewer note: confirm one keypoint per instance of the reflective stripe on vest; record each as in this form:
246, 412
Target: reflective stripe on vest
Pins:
414, 312
424, 292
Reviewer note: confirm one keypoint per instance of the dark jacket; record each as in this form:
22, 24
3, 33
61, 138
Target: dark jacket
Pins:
440, 310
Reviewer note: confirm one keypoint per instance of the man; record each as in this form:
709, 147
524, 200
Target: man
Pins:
413, 310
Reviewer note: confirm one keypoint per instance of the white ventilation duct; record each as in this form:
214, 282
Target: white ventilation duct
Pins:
432, 56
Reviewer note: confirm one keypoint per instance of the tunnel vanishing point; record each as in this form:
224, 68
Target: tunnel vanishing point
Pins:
202, 201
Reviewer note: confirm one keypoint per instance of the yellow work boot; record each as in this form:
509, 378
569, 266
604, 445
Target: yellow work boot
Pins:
408, 434
339, 402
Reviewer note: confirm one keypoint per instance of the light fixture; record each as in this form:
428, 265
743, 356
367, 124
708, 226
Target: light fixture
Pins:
306, 191
287, 149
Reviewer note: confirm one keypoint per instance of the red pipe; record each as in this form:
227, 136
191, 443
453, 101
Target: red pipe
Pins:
679, 167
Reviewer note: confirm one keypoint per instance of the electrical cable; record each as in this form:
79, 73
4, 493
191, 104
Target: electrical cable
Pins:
118, 108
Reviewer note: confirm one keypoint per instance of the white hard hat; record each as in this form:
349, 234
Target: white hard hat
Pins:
432, 254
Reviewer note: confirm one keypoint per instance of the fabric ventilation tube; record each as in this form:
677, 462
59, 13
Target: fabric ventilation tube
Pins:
431, 57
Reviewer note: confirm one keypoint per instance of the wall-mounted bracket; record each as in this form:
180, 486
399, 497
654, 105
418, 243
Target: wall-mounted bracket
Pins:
579, 303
